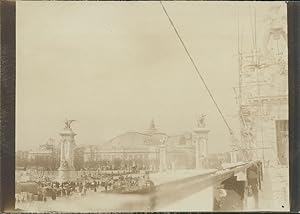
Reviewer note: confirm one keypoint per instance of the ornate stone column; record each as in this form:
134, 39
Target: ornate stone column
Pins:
67, 152
200, 138
201, 149
162, 158
162, 155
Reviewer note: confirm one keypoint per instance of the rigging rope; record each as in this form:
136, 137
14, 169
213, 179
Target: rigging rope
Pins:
196, 68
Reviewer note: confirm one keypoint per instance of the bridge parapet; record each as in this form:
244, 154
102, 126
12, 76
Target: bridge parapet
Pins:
233, 179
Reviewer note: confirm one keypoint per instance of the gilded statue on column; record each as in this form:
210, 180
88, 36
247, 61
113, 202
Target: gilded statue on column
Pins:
201, 121
68, 123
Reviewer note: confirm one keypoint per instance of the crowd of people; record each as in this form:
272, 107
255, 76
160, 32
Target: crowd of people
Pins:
43, 190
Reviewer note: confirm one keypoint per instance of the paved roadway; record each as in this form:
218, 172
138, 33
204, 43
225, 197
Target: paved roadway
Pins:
274, 188
104, 202
92, 202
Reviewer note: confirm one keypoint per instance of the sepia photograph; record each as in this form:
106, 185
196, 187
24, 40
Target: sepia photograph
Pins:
151, 106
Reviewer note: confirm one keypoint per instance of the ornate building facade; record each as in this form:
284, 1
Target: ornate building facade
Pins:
263, 92
45, 157
151, 149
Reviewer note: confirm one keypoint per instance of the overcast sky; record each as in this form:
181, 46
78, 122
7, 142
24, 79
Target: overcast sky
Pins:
113, 66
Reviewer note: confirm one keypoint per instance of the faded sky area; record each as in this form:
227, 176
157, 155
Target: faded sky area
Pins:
113, 66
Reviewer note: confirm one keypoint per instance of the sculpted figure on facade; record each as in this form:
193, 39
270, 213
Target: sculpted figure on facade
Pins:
68, 123
201, 121
65, 164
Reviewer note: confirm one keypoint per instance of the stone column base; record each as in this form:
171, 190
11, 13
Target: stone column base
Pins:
66, 175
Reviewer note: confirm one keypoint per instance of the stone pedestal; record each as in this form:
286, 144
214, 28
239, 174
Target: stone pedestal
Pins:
200, 137
162, 158
67, 145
